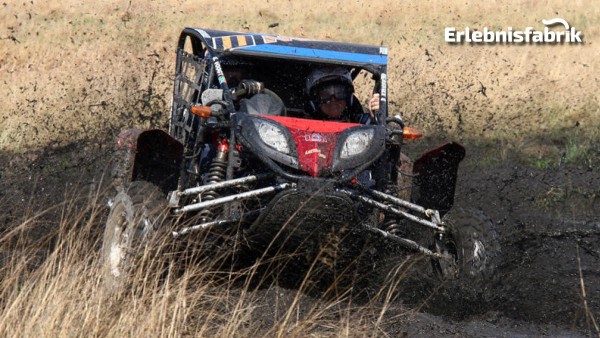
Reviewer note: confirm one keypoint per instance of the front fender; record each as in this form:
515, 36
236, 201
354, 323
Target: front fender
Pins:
435, 177
149, 155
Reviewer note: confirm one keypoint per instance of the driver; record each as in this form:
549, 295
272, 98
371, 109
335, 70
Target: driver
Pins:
331, 96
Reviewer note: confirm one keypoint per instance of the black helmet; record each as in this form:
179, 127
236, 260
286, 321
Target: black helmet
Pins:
321, 76
326, 74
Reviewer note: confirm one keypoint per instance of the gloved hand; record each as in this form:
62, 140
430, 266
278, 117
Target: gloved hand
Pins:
374, 103
251, 86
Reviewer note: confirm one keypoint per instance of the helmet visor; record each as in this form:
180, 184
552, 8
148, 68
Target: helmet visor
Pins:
336, 91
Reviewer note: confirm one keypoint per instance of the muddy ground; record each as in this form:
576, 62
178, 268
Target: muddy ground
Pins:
547, 220
79, 71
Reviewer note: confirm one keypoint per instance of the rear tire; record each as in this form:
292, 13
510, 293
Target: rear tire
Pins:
136, 214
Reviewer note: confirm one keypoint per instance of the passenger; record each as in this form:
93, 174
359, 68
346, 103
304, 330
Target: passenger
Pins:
234, 74
331, 97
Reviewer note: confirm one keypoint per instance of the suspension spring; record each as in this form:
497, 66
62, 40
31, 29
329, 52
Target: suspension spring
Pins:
390, 223
216, 173
392, 226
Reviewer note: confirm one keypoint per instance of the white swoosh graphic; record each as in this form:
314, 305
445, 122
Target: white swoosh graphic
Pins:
555, 21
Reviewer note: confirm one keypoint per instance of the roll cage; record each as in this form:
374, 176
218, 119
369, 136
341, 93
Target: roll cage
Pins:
281, 63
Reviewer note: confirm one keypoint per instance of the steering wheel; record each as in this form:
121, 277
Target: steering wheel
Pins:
249, 88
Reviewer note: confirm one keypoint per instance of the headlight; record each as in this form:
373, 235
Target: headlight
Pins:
356, 143
272, 135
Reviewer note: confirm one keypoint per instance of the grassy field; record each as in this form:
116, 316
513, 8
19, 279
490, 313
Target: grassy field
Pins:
80, 71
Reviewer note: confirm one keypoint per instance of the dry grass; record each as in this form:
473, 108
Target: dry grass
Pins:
51, 286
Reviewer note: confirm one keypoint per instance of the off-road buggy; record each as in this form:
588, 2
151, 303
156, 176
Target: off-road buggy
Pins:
249, 160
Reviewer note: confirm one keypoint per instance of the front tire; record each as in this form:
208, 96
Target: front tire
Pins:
471, 247
136, 214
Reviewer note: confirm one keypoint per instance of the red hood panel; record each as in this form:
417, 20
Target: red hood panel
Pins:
315, 141
315, 126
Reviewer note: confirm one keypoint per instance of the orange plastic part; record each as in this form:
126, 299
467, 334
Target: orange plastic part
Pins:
202, 111
411, 133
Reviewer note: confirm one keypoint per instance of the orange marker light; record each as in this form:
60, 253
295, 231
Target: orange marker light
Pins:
411, 133
202, 111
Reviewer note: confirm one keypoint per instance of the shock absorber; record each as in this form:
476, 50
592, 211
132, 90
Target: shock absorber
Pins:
216, 173
392, 226
391, 223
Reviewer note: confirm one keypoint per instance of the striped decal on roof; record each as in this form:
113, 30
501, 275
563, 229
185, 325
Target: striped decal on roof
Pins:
233, 41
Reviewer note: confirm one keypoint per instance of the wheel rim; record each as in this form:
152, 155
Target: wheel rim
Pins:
479, 255
118, 244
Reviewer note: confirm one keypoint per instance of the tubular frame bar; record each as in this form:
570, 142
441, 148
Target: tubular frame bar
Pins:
233, 198
221, 185
395, 211
217, 222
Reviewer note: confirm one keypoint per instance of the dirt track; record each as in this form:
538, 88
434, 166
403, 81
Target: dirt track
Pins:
545, 218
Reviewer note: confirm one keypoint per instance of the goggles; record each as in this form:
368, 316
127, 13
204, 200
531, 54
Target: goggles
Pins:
333, 91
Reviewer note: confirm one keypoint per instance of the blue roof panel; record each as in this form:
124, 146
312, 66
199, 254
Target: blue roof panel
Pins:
318, 54
272, 45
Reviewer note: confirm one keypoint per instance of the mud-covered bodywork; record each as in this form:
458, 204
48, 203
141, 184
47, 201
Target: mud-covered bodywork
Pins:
149, 155
244, 150
435, 179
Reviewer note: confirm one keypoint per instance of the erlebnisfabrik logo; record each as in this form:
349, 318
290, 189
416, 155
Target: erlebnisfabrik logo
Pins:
528, 35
